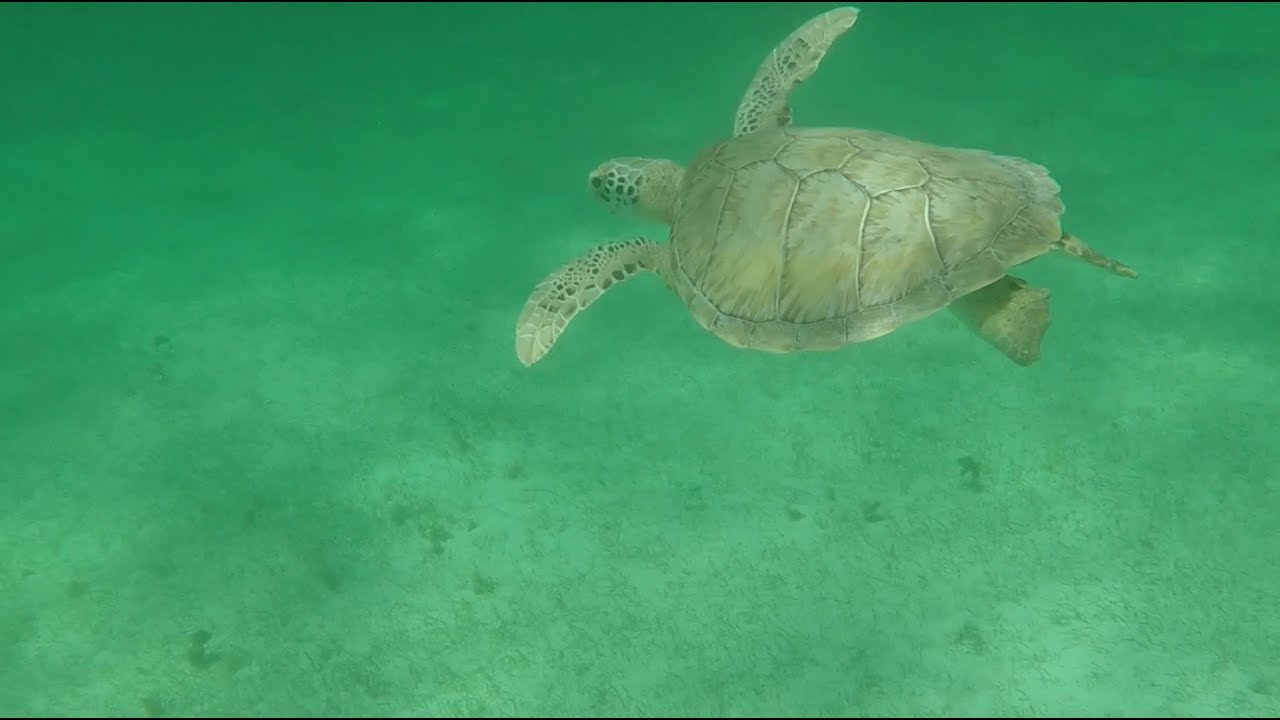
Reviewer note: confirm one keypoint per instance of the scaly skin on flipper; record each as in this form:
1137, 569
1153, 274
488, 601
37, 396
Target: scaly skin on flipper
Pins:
1010, 315
568, 291
1076, 248
767, 102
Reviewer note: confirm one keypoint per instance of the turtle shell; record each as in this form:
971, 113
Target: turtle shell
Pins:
806, 239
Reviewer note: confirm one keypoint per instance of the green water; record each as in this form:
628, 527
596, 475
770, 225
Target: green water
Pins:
267, 448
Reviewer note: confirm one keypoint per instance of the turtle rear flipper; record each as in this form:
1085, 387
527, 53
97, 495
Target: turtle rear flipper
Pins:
1009, 314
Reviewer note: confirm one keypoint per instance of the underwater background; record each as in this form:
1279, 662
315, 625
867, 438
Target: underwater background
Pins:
266, 448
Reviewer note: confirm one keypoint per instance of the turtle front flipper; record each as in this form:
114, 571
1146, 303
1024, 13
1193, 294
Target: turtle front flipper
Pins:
767, 103
1010, 315
568, 291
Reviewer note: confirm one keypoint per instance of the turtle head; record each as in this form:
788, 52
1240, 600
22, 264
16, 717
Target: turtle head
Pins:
637, 185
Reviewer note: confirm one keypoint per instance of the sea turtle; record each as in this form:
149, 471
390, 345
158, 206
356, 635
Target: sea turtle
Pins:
786, 239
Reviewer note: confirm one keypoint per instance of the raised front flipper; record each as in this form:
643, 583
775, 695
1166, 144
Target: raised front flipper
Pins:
767, 103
